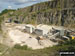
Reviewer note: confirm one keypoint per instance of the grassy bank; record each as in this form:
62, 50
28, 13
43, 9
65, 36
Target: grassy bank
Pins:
50, 51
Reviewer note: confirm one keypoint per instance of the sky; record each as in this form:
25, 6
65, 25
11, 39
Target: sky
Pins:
14, 4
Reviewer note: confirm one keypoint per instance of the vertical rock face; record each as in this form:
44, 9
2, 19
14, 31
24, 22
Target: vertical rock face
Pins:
56, 12
67, 3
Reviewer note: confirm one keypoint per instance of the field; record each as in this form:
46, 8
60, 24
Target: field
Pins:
50, 51
41, 52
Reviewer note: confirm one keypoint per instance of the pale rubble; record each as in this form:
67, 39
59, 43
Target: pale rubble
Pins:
22, 38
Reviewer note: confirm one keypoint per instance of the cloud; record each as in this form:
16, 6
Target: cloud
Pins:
18, 2
4, 4
9, 7
1, 7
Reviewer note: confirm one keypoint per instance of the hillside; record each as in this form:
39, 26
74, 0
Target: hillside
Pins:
55, 12
3, 13
50, 51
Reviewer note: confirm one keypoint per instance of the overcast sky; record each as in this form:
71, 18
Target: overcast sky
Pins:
14, 4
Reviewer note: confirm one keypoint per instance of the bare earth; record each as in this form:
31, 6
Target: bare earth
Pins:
22, 38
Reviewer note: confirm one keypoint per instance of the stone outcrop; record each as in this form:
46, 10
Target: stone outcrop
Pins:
56, 12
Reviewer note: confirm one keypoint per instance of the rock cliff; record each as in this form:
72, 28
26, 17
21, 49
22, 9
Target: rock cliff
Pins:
55, 12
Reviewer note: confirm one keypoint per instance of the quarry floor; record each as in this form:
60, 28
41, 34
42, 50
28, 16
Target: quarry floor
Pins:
16, 36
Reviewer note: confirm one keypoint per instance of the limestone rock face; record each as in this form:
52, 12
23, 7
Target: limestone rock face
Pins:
56, 12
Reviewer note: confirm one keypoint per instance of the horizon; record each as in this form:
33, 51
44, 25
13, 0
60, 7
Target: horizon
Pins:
15, 4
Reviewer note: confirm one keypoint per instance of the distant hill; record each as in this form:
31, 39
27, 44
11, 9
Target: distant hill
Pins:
6, 11
55, 12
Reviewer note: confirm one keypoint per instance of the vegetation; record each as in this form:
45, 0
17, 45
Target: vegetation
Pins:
6, 11
2, 13
50, 51
49, 10
25, 47
1, 19
68, 46
2, 47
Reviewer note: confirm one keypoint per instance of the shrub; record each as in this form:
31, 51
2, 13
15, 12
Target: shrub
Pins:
25, 47
6, 11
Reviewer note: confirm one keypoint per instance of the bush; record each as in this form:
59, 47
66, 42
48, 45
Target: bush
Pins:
1, 20
25, 47
6, 11
67, 46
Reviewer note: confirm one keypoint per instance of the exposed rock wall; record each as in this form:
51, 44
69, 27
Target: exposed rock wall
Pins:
56, 12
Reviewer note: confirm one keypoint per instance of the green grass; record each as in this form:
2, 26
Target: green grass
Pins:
6, 11
2, 47
1, 19
50, 51
41, 52
25, 47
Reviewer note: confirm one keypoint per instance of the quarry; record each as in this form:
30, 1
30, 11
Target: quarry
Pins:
34, 36
26, 36
38, 28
